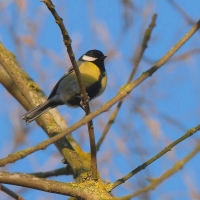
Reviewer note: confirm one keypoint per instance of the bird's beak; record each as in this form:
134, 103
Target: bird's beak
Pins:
103, 57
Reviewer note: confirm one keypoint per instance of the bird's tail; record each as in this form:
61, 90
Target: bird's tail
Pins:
39, 110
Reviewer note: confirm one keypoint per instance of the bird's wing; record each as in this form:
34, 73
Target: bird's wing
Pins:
70, 70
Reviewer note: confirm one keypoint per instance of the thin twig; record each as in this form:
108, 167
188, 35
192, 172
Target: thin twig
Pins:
57, 172
84, 95
10, 193
113, 115
164, 151
156, 181
123, 92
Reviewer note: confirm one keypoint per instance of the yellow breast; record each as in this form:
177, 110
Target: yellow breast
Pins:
89, 72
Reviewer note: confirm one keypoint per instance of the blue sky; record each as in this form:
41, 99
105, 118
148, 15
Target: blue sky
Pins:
172, 91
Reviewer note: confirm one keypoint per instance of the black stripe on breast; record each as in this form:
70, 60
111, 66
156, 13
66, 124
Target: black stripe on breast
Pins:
93, 91
95, 88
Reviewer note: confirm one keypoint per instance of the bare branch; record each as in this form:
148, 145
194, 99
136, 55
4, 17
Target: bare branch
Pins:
164, 151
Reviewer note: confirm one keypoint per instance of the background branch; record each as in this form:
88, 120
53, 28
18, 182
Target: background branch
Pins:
144, 45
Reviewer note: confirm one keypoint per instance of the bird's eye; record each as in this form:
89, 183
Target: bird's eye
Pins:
88, 58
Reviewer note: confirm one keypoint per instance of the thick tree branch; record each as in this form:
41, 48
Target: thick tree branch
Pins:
10, 86
29, 181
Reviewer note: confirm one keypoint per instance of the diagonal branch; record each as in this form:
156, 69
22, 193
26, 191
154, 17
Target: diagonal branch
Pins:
11, 87
164, 151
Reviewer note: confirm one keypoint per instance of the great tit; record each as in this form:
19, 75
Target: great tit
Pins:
67, 91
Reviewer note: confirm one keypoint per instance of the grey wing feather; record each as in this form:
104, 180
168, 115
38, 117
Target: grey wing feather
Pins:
70, 70
53, 92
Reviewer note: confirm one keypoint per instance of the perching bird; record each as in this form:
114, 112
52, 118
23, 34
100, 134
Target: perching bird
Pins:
67, 91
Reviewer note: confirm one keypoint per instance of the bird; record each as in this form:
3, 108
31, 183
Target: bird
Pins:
67, 91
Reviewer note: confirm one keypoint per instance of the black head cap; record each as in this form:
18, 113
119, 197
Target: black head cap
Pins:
92, 55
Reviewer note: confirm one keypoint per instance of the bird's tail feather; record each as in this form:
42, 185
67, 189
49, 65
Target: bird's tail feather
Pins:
39, 110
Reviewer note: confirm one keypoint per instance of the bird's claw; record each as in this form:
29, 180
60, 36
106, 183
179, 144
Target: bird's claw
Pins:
84, 103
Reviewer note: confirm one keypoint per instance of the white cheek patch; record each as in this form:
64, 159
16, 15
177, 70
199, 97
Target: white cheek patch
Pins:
88, 58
